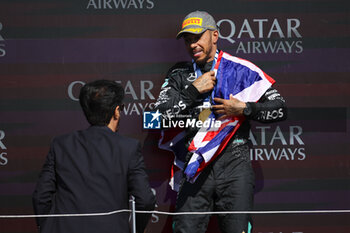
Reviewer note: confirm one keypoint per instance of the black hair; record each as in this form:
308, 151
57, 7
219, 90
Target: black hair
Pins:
99, 99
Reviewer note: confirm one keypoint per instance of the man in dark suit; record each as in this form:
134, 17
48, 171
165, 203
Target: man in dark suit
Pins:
93, 171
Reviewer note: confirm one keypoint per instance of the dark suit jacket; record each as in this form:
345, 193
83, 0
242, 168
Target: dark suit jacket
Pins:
92, 171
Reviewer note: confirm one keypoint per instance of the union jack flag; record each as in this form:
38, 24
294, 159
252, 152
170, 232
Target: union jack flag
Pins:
237, 77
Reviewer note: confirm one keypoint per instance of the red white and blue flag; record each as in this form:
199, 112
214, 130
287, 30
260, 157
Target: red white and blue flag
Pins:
237, 77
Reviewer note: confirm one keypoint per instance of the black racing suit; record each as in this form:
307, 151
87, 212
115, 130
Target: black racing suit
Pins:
227, 184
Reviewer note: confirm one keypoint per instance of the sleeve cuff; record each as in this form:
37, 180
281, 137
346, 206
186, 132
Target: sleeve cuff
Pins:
253, 108
192, 92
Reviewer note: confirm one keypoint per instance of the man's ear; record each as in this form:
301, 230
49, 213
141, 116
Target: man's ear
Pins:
215, 36
116, 115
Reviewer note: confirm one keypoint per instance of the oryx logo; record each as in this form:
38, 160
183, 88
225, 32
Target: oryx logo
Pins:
151, 120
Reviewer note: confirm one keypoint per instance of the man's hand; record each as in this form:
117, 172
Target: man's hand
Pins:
206, 82
228, 108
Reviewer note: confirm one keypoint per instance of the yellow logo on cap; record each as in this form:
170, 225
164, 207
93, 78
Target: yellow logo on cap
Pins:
192, 21
194, 30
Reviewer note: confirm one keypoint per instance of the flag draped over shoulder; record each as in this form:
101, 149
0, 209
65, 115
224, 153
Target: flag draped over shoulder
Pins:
244, 81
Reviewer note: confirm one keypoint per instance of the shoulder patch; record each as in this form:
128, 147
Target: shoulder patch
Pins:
166, 81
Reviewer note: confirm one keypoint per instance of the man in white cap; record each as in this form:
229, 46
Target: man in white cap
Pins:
227, 181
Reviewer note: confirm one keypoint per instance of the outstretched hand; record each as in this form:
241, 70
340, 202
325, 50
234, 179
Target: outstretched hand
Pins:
228, 108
